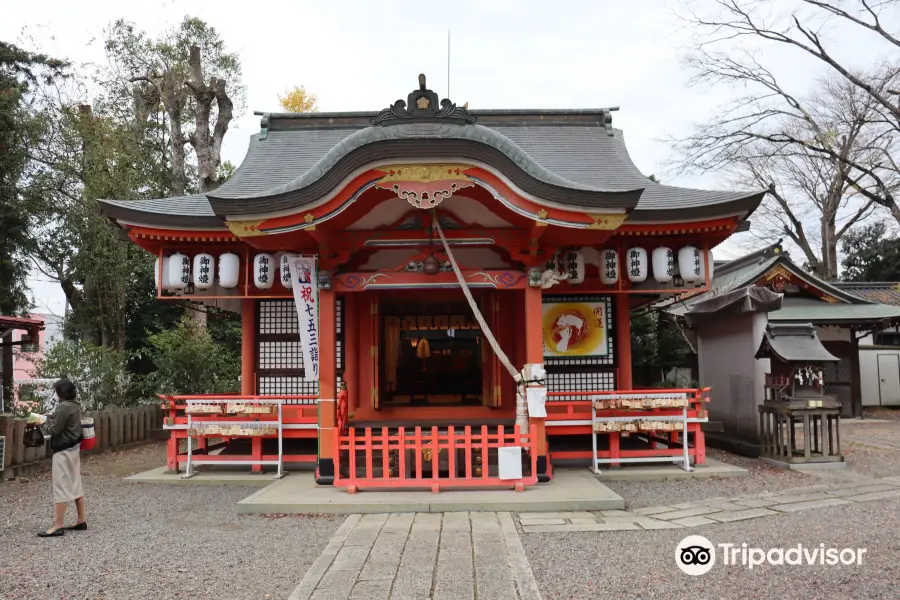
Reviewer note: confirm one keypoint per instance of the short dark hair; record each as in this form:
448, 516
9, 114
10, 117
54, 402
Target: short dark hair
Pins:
65, 389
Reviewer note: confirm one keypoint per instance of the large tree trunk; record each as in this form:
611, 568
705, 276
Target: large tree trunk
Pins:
208, 145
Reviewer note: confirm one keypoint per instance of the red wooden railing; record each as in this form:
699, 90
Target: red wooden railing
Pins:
573, 417
301, 420
434, 458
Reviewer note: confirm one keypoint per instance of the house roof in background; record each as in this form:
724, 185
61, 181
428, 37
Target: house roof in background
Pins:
793, 343
853, 304
883, 292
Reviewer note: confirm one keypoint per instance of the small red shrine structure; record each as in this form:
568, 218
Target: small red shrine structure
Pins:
555, 231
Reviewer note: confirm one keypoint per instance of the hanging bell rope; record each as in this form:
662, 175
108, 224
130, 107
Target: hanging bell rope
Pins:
488, 334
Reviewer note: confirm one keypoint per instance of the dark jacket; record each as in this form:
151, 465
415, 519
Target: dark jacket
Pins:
64, 426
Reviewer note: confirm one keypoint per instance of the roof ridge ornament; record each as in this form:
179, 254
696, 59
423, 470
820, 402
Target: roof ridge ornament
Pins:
423, 104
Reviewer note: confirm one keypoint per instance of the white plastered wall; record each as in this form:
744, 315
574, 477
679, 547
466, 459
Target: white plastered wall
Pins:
726, 349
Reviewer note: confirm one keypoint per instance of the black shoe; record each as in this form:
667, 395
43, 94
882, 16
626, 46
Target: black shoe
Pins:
54, 533
77, 527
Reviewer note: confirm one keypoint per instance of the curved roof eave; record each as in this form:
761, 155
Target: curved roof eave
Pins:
738, 204
401, 141
182, 212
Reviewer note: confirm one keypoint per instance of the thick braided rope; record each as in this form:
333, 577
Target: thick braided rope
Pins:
474, 306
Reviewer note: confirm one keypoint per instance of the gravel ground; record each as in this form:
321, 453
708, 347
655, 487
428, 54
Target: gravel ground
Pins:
867, 455
761, 478
641, 564
151, 541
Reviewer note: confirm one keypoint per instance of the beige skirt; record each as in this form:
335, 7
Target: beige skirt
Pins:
67, 475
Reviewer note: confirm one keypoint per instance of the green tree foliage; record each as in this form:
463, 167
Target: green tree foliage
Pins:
181, 100
657, 343
189, 361
20, 73
870, 254
99, 373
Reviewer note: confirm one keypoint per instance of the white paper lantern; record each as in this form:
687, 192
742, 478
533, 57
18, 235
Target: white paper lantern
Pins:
609, 267
712, 266
204, 271
690, 265
229, 270
263, 271
571, 262
663, 264
636, 265
286, 280
165, 274
179, 271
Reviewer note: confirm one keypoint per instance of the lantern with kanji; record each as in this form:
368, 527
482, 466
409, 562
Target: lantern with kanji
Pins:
229, 269
179, 271
690, 265
204, 271
663, 264
263, 271
636, 265
286, 280
609, 267
164, 285
571, 262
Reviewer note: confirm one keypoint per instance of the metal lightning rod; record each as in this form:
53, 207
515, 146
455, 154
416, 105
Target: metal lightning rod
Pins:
448, 63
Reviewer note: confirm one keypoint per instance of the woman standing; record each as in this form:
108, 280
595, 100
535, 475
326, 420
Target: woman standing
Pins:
64, 429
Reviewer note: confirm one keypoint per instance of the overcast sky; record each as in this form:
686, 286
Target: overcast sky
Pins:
363, 55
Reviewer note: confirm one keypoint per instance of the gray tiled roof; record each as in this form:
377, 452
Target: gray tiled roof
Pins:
793, 343
578, 155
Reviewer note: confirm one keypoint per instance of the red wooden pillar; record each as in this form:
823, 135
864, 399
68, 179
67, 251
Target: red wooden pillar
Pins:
248, 368
534, 355
327, 391
623, 341
351, 351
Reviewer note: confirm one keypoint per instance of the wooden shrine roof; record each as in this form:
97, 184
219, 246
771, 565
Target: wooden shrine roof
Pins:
572, 158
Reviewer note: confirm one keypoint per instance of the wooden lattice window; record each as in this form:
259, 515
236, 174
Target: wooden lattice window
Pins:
279, 353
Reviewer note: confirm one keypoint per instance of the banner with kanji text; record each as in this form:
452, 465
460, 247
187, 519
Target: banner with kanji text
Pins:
305, 286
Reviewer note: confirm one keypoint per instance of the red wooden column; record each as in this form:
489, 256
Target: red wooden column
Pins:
534, 355
623, 353
623, 341
327, 391
248, 368
351, 351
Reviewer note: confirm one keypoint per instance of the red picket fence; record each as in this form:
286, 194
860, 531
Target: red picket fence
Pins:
436, 458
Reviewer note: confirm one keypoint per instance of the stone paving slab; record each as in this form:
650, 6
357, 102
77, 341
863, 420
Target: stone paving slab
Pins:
797, 506
694, 521
571, 489
685, 513
895, 493
405, 556
741, 515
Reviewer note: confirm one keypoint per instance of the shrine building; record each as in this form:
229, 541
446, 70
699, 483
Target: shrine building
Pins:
349, 241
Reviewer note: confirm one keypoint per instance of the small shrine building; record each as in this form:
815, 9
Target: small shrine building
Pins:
555, 232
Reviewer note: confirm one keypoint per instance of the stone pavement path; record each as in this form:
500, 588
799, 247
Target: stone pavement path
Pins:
716, 510
452, 556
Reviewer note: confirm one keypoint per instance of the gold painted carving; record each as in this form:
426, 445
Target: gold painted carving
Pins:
607, 221
308, 219
779, 271
245, 228
424, 173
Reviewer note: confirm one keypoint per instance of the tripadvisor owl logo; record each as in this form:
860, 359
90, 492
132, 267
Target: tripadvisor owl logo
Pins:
695, 555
